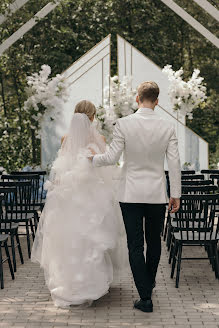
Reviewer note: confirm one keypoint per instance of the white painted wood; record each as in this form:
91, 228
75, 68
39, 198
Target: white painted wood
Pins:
12, 8
103, 46
207, 6
192, 21
28, 26
203, 150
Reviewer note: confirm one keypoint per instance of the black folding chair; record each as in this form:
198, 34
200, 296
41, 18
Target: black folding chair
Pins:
37, 179
196, 225
8, 226
187, 172
192, 190
23, 212
40, 201
4, 244
35, 204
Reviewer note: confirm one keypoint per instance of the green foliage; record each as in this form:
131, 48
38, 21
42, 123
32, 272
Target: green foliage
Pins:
76, 26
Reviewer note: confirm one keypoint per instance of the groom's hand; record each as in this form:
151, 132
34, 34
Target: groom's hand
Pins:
174, 204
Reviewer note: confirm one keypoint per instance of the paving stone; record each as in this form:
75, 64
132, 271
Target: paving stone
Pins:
25, 302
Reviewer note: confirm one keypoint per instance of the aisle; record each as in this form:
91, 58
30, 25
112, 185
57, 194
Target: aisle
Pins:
26, 301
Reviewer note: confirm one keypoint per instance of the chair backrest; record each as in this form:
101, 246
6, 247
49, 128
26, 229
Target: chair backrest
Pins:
42, 174
22, 204
33, 178
199, 190
193, 177
196, 182
196, 218
215, 179
210, 171
187, 172
8, 199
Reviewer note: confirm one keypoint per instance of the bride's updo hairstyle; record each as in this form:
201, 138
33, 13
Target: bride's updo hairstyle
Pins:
86, 107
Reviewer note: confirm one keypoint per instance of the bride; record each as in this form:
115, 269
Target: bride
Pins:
80, 221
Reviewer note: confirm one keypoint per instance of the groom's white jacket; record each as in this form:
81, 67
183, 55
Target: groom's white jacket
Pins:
145, 138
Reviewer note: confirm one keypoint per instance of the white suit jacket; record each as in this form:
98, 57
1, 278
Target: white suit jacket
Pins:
145, 138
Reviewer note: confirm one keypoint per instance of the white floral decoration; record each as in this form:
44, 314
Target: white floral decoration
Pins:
120, 103
185, 96
45, 98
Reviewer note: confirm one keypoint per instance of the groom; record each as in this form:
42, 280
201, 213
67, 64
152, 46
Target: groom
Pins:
145, 139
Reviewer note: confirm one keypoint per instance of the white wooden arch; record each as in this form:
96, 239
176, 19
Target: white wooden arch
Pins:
12, 8
192, 21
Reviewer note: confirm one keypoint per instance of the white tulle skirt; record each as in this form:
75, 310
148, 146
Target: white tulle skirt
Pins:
80, 235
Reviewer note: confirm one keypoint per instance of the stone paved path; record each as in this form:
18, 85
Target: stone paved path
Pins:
25, 302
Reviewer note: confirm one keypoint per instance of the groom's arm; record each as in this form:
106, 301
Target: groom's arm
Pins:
173, 160
116, 148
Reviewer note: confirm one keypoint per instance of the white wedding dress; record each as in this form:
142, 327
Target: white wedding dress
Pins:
80, 222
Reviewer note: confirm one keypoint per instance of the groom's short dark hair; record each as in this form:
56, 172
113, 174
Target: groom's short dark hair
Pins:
148, 91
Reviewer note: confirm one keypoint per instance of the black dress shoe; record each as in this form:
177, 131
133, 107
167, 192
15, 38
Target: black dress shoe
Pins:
144, 306
154, 285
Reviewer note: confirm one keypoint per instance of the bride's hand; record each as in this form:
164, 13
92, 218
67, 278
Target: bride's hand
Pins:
93, 154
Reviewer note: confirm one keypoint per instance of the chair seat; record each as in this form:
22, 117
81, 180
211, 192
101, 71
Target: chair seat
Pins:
196, 237
6, 227
3, 238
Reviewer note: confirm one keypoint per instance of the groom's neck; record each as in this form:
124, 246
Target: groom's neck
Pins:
147, 104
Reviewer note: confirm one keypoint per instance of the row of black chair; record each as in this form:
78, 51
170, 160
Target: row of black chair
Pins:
196, 223
4, 244
22, 200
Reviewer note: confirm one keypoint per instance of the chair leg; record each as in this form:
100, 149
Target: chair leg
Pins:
168, 234
166, 227
169, 237
36, 220
28, 240
9, 260
216, 261
19, 247
13, 253
165, 232
211, 256
179, 257
175, 251
1, 268
171, 250
32, 229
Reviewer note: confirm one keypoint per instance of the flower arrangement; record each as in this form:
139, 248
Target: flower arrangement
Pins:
185, 96
120, 103
45, 98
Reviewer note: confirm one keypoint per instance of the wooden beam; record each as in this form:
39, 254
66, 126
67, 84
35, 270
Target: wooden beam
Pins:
192, 21
28, 26
207, 6
12, 8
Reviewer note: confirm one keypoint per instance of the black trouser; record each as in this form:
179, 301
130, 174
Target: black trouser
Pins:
144, 272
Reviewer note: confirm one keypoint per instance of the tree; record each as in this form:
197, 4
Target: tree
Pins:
76, 26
